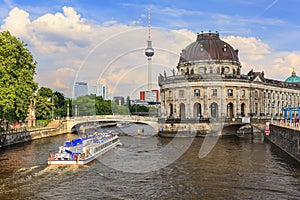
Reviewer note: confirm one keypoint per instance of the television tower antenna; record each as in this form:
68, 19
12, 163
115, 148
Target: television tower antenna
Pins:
149, 52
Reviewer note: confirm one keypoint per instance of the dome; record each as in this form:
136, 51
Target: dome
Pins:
208, 46
293, 79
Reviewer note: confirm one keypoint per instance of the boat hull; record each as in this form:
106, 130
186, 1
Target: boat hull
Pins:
84, 161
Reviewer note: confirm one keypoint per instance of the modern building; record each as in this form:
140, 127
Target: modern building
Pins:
100, 90
80, 89
209, 84
119, 100
149, 96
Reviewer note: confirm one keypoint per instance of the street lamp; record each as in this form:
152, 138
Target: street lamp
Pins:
68, 111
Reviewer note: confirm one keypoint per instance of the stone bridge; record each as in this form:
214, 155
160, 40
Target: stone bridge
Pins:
229, 126
73, 121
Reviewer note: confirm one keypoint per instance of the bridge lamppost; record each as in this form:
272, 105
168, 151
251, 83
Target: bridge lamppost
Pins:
76, 111
68, 111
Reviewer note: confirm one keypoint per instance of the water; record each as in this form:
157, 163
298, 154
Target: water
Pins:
234, 169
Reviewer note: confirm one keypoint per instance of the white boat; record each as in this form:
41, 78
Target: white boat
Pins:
81, 151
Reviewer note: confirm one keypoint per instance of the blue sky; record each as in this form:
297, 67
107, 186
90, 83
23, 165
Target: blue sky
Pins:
61, 33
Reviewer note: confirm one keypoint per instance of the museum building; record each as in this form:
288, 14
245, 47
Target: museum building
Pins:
209, 84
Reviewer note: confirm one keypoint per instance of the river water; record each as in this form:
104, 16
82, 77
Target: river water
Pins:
148, 167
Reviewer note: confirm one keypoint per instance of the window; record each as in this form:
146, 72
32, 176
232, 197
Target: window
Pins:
211, 70
196, 93
201, 70
170, 93
181, 93
224, 49
226, 69
243, 93
214, 93
230, 92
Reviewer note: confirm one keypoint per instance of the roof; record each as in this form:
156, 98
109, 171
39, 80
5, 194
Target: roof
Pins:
293, 79
208, 46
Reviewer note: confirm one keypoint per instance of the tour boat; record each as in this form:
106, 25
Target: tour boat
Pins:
81, 151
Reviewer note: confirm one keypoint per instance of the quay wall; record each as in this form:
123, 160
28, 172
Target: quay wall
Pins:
286, 138
11, 138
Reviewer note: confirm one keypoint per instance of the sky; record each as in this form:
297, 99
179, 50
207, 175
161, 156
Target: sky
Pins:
104, 41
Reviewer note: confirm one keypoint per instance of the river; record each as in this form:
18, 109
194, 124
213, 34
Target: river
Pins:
149, 167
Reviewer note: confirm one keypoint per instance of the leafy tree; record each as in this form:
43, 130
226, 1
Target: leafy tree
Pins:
103, 107
43, 107
60, 105
17, 85
85, 105
138, 108
44, 103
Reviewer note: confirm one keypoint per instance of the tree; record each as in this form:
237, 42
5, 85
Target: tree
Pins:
17, 85
60, 105
103, 107
85, 105
44, 103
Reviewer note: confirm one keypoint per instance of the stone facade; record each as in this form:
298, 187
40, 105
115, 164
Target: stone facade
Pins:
209, 84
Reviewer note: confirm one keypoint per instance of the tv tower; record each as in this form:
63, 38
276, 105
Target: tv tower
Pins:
149, 52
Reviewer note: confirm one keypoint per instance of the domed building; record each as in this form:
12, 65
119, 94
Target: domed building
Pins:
293, 79
209, 84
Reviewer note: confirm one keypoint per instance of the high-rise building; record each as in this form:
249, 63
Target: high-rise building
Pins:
80, 89
100, 90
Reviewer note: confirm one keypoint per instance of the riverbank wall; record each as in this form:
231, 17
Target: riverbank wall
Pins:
286, 138
20, 136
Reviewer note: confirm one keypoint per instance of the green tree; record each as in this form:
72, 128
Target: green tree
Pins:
17, 85
85, 105
60, 105
44, 103
103, 107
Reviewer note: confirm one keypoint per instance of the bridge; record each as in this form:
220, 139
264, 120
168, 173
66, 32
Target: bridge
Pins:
77, 121
229, 125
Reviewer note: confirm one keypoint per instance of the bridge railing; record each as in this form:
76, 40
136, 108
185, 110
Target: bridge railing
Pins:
112, 117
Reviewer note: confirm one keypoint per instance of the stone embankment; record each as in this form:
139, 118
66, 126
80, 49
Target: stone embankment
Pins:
286, 137
23, 135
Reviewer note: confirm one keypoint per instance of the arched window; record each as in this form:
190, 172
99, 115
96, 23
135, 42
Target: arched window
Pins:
230, 110
182, 111
197, 110
170, 110
214, 110
192, 71
243, 109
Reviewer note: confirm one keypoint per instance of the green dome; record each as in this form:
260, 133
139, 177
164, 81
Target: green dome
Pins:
293, 79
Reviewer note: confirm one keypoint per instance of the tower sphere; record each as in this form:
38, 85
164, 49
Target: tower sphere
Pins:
149, 51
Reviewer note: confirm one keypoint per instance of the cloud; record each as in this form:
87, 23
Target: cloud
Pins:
17, 23
251, 48
70, 48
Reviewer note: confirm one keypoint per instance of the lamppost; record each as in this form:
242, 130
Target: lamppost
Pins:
52, 108
76, 110
68, 111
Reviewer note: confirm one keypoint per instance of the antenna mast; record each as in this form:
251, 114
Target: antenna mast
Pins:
149, 52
